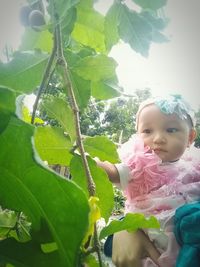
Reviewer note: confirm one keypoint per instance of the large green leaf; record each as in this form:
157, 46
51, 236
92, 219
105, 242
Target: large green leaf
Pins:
24, 72
52, 204
135, 31
36, 40
103, 90
52, 145
112, 21
138, 31
151, 4
59, 109
7, 100
7, 106
96, 68
104, 189
82, 90
62, 7
91, 261
89, 27
27, 254
65, 12
157, 24
101, 147
131, 222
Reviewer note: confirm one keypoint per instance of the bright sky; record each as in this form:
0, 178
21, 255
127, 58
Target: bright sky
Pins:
10, 27
171, 67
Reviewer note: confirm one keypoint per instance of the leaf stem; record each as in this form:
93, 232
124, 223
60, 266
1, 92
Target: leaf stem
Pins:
45, 78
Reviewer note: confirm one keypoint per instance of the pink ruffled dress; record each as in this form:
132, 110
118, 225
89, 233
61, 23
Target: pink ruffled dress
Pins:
155, 188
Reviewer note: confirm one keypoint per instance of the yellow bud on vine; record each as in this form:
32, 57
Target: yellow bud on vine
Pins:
94, 215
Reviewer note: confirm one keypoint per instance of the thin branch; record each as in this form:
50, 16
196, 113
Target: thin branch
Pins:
45, 78
97, 246
62, 62
91, 186
49, 78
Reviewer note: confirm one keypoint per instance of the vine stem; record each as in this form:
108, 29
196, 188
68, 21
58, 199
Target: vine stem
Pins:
66, 76
45, 78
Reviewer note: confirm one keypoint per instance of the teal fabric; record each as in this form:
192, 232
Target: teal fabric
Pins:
187, 232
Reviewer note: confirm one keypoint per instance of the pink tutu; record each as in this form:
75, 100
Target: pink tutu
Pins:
156, 188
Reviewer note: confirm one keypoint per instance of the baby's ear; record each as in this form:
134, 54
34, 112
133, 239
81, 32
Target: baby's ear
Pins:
192, 136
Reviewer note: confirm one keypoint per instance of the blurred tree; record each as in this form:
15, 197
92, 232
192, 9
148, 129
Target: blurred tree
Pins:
197, 140
119, 119
115, 119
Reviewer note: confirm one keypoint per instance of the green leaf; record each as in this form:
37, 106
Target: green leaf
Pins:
27, 117
138, 30
82, 90
24, 72
49, 247
135, 31
27, 254
89, 27
151, 4
103, 90
7, 106
59, 109
112, 20
101, 147
36, 40
52, 204
7, 100
96, 68
67, 15
14, 224
91, 261
67, 24
104, 189
157, 24
62, 7
8, 218
131, 222
52, 145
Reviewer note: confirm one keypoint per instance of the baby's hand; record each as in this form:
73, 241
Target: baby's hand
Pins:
130, 248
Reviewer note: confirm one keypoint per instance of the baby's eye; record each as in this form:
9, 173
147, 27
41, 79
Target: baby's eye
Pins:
172, 130
147, 131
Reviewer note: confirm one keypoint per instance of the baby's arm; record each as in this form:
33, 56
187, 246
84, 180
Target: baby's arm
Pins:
130, 248
110, 169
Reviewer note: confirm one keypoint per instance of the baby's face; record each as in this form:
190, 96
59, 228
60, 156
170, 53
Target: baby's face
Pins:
167, 135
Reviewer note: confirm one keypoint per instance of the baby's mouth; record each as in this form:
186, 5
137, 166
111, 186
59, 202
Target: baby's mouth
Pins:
157, 150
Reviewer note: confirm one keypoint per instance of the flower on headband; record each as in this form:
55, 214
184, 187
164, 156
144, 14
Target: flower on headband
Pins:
175, 104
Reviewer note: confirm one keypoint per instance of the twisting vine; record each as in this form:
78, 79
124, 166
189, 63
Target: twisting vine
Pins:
45, 78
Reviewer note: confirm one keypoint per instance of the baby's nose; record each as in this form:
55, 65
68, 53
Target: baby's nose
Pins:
159, 137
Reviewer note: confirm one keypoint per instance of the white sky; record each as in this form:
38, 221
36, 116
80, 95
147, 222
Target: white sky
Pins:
171, 67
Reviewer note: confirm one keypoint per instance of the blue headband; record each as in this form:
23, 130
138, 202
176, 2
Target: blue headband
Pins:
172, 104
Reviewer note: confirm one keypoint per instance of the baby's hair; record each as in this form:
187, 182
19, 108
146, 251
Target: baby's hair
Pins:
173, 104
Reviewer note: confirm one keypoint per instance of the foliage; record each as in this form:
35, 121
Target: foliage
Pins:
114, 119
119, 120
74, 45
91, 118
130, 223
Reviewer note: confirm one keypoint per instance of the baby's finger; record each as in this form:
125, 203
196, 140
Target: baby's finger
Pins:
151, 250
